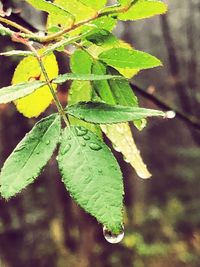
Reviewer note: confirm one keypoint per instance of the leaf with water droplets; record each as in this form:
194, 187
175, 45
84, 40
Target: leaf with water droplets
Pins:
92, 176
30, 156
81, 63
122, 140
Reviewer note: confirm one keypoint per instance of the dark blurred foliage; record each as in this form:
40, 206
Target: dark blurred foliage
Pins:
43, 227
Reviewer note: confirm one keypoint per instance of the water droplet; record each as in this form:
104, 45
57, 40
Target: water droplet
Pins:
112, 238
126, 160
170, 114
47, 142
40, 126
100, 171
20, 148
81, 131
95, 146
66, 149
86, 137
116, 148
69, 138
83, 143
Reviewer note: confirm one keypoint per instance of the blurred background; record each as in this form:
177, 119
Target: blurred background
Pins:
43, 227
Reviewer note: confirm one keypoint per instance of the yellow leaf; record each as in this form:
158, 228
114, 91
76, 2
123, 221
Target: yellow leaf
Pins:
28, 70
122, 140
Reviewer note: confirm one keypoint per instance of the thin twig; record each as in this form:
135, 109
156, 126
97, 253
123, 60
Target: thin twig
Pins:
48, 81
15, 25
53, 37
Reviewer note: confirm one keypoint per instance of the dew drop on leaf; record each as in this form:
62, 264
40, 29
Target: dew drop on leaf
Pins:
112, 238
86, 137
83, 143
81, 131
47, 142
20, 148
116, 148
95, 146
66, 149
69, 137
126, 160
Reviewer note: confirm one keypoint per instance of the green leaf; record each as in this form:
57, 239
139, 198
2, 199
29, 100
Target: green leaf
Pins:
80, 63
125, 2
110, 41
17, 53
122, 91
54, 10
13, 92
76, 8
102, 88
30, 156
115, 92
126, 58
101, 23
92, 176
84, 77
144, 9
102, 113
125, 96
119, 134
95, 4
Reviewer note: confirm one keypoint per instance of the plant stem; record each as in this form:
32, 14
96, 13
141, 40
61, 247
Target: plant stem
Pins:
56, 100
15, 25
53, 37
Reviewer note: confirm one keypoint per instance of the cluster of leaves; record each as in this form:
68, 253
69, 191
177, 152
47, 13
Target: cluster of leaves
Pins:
100, 100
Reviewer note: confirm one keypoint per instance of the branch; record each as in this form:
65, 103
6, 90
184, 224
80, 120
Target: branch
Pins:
15, 25
191, 120
53, 37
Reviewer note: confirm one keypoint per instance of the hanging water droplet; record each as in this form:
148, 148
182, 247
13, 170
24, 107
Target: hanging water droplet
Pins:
47, 142
95, 146
170, 114
66, 149
81, 131
112, 238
